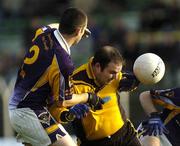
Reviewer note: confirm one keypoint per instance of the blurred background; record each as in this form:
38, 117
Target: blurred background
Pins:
133, 26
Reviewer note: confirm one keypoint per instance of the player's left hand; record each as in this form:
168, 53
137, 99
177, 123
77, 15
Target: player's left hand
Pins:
154, 126
128, 82
77, 111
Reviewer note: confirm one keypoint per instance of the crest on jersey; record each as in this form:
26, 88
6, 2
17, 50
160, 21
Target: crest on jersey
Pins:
44, 118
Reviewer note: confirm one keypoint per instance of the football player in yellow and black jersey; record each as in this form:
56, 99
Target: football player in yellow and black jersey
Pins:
41, 80
102, 75
161, 128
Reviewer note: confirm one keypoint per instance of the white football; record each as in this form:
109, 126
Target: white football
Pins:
149, 68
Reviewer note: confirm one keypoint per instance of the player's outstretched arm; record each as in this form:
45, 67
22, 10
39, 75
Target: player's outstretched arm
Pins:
147, 103
128, 82
94, 101
153, 125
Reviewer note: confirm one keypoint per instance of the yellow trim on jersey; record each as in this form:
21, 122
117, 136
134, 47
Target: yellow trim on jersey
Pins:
52, 128
52, 74
171, 116
56, 112
42, 81
54, 78
90, 70
38, 32
165, 105
83, 84
82, 67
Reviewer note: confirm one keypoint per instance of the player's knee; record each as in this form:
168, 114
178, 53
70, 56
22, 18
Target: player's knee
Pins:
144, 95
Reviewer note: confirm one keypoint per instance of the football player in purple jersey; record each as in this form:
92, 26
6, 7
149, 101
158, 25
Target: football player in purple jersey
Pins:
161, 128
42, 79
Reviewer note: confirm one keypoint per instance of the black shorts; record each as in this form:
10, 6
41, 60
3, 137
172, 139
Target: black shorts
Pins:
126, 136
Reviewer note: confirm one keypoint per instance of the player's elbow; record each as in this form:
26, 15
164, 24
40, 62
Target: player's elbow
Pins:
143, 96
67, 103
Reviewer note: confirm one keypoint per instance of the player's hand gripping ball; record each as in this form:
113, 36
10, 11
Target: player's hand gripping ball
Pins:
149, 68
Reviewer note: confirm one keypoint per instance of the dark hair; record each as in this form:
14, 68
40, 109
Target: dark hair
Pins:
105, 55
71, 19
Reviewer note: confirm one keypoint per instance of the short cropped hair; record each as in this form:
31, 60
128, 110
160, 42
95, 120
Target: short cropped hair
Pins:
71, 19
107, 54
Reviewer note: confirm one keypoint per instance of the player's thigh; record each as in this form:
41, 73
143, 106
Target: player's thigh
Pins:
28, 127
64, 141
164, 141
150, 141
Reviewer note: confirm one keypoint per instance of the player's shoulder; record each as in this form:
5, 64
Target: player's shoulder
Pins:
42, 30
80, 69
168, 97
82, 74
54, 25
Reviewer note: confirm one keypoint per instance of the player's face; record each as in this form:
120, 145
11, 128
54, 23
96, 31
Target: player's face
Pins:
109, 73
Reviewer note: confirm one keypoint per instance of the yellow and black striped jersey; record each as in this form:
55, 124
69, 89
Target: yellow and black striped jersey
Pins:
100, 123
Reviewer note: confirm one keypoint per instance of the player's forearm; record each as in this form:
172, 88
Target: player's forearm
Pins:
76, 98
147, 103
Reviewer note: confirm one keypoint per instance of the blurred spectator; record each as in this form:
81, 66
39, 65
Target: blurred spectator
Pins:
87, 6
155, 16
95, 32
44, 7
110, 6
131, 50
117, 33
29, 31
8, 65
175, 14
11, 8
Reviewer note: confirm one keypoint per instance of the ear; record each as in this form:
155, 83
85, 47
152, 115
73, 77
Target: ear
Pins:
98, 67
78, 31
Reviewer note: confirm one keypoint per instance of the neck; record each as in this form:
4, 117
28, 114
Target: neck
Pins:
94, 71
68, 39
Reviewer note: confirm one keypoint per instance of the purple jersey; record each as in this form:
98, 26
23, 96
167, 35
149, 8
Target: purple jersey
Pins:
44, 71
169, 98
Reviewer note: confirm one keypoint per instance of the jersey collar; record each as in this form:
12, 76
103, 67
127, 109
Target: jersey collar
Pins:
62, 41
90, 72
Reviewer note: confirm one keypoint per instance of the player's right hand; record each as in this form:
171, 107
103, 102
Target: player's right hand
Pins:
95, 102
154, 126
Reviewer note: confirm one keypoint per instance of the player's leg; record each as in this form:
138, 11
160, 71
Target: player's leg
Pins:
150, 141
164, 141
147, 140
65, 140
29, 129
155, 141
38, 128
